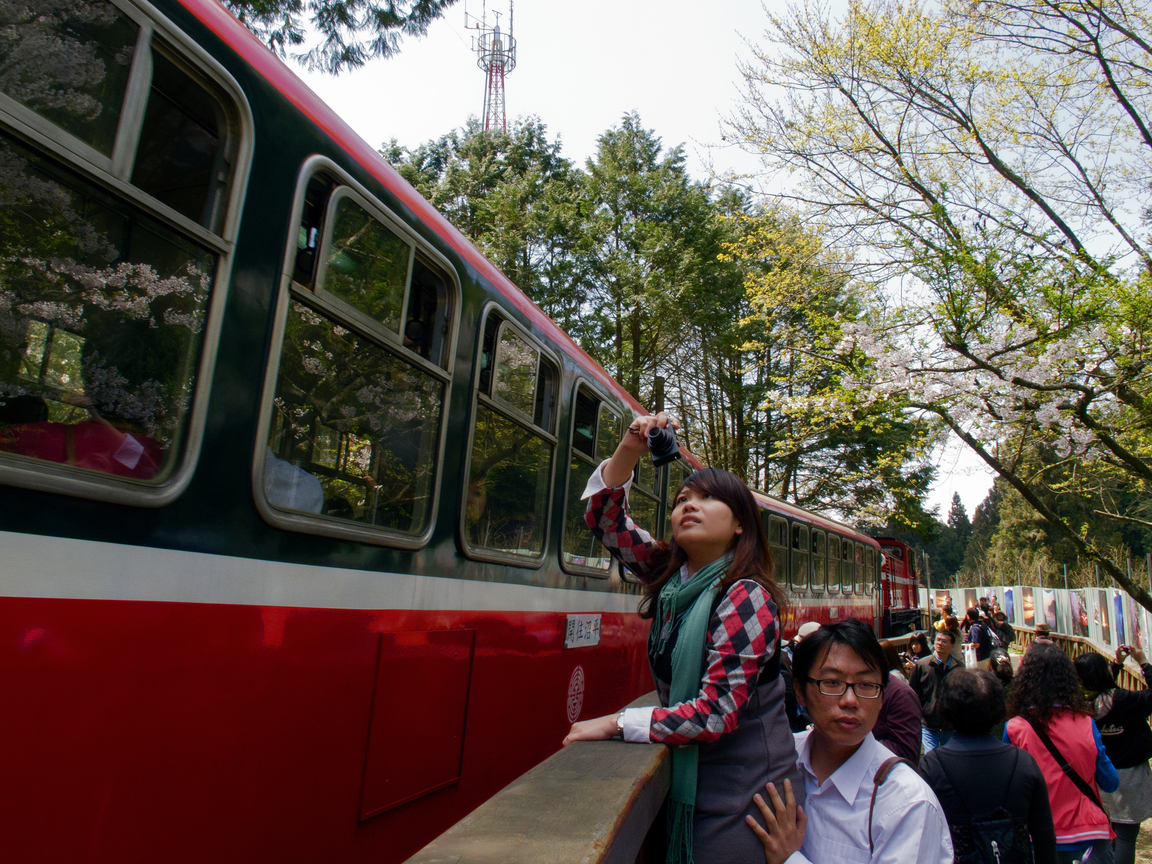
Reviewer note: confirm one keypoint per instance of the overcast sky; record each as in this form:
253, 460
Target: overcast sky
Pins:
580, 67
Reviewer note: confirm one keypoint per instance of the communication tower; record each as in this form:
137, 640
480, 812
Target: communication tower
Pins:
496, 55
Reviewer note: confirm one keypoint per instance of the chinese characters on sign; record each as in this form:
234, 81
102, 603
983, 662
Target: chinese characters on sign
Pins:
582, 631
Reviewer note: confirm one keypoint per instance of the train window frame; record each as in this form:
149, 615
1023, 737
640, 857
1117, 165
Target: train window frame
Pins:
819, 580
112, 175
799, 551
320, 271
604, 405
485, 400
834, 541
847, 559
779, 539
291, 291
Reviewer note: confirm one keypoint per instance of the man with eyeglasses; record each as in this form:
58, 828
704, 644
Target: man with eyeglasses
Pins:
840, 676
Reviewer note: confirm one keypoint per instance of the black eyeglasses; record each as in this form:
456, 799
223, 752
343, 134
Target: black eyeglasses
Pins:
862, 689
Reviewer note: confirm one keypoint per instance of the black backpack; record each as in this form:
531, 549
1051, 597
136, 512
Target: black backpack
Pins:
994, 837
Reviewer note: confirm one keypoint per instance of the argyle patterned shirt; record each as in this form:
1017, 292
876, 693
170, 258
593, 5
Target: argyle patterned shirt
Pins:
742, 634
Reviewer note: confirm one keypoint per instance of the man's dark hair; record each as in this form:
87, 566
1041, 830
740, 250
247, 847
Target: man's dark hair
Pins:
1094, 672
972, 700
951, 634
973, 614
854, 635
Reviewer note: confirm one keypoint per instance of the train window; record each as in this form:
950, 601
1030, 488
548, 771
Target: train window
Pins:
580, 550
516, 365
778, 541
819, 560
800, 562
584, 420
510, 464
109, 304
869, 569
355, 427
72, 68
180, 157
311, 224
833, 562
354, 416
644, 500
609, 431
859, 568
365, 263
847, 568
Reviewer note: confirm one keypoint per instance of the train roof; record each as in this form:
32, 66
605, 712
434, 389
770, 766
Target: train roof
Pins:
245, 43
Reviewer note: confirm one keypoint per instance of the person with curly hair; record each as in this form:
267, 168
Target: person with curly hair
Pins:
1122, 716
1050, 719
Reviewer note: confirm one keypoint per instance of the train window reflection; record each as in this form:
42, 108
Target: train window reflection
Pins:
608, 432
366, 265
778, 541
70, 62
180, 159
592, 423
354, 430
799, 557
581, 548
859, 570
507, 486
101, 317
516, 376
834, 552
847, 569
819, 560
584, 424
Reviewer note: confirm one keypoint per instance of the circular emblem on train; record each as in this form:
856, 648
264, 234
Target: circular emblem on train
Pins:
575, 693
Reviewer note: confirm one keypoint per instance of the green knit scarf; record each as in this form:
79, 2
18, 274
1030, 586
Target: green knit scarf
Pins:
684, 609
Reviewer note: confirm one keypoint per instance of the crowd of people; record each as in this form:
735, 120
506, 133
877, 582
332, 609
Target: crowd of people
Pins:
837, 746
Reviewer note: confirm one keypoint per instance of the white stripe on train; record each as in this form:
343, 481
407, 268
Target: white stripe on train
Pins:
62, 568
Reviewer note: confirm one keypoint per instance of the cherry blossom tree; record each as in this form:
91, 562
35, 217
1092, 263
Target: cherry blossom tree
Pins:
989, 164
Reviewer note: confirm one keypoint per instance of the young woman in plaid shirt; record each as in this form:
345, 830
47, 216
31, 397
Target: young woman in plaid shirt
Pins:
714, 649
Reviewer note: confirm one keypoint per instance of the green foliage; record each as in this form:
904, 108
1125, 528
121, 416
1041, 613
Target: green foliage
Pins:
515, 197
958, 149
351, 32
658, 275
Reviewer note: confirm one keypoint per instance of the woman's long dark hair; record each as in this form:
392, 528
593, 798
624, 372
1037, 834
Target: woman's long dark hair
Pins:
1046, 680
919, 639
752, 557
1094, 672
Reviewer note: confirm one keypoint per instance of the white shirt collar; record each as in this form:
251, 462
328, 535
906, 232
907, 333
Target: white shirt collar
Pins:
849, 777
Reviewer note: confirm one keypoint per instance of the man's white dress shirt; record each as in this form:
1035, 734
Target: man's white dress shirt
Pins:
907, 825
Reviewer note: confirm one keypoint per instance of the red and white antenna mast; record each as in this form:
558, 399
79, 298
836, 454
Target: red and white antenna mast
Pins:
496, 55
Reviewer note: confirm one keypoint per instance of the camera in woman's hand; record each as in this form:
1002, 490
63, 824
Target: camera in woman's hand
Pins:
662, 445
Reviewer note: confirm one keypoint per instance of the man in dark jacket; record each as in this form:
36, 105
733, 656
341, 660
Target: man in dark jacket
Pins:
925, 682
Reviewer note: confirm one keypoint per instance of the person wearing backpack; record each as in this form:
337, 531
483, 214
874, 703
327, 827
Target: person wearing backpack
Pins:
978, 635
993, 794
1050, 718
1122, 716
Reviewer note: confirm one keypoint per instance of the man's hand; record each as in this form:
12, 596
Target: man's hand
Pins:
785, 827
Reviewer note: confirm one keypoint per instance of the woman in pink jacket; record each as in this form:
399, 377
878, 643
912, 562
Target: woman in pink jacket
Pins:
1052, 722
